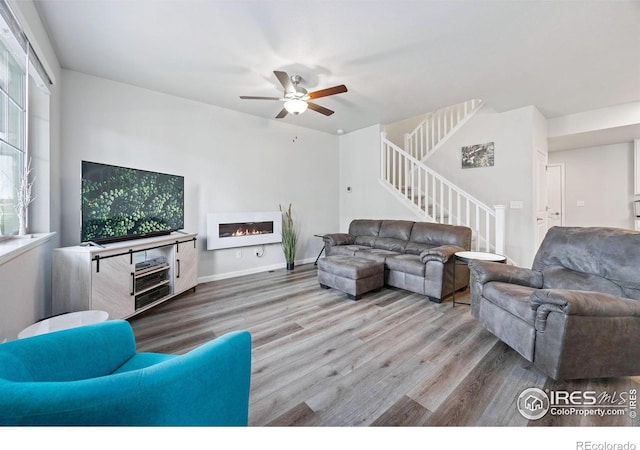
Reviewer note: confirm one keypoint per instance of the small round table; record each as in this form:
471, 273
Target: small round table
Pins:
465, 257
64, 322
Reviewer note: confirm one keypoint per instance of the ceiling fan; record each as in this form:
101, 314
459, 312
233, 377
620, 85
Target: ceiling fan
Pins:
296, 98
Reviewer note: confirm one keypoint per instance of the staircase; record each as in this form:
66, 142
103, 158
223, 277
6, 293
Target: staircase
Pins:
429, 195
434, 130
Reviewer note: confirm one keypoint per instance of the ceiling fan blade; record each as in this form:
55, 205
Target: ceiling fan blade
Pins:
320, 109
251, 97
285, 81
282, 113
329, 91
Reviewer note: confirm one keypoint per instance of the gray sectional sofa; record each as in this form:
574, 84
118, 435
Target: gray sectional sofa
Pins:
417, 256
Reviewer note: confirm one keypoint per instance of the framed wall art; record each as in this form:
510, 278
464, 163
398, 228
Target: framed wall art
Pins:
478, 155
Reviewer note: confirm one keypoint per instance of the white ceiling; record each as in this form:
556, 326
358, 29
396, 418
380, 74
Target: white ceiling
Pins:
398, 59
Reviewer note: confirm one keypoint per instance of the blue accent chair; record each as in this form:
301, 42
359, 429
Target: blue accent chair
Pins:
92, 375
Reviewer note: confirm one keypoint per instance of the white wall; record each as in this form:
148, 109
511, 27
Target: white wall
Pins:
232, 162
602, 178
396, 131
595, 120
515, 135
24, 280
360, 171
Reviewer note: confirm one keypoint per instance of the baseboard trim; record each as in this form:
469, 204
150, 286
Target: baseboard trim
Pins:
254, 270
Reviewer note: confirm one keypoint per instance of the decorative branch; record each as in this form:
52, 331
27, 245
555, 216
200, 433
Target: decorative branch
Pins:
24, 198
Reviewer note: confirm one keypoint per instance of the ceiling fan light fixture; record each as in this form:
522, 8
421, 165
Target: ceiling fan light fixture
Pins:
296, 98
295, 106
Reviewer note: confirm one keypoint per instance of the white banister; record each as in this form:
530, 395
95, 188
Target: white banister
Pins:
437, 199
437, 127
500, 211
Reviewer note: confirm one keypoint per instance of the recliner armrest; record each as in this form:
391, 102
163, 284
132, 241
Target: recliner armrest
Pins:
580, 303
339, 239
442, 253
585, 303
486, 271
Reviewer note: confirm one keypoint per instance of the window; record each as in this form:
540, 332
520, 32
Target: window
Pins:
12, 137
19, 69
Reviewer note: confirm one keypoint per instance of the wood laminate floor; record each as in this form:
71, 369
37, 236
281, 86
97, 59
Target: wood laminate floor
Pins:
392, 358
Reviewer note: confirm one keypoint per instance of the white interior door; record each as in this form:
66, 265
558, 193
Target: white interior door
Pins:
555, 191
541, 196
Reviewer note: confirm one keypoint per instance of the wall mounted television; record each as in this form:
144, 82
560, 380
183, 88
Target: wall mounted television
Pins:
120, 203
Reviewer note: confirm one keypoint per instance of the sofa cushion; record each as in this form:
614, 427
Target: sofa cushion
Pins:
375, 254
513, 298
364, 227
396, 229
347, 250
406, 263
391, 244
416, 248
367, 241
556, 277
437, 234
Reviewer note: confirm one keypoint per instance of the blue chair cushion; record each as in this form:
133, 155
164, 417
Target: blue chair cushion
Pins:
91, 375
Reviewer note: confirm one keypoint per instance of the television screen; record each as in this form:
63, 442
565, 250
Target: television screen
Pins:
122, 203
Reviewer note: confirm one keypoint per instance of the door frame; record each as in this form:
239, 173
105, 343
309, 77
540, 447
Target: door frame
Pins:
563, 196
541, 197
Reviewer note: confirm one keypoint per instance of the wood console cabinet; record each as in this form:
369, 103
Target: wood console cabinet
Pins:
124, 278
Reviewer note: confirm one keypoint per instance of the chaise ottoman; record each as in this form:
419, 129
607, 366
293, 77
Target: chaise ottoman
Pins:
352, 275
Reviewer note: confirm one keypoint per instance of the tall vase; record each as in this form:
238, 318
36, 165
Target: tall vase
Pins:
22, 223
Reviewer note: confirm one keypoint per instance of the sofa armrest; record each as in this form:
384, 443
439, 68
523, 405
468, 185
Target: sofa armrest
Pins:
486, 271
442, 253
338, 239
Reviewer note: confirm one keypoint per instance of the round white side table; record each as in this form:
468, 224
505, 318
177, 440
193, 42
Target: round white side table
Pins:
64, 322
465, 257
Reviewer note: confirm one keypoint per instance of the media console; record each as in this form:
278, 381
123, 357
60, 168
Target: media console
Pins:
124, 278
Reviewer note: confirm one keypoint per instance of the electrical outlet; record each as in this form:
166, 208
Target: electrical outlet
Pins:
238, 254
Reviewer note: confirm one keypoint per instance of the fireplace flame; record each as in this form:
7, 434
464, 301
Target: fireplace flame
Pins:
245, 232
245, 229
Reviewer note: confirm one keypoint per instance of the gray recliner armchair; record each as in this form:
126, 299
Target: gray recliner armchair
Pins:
576, 312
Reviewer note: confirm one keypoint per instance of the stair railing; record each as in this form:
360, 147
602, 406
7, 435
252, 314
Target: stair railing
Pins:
427, 137
438, 200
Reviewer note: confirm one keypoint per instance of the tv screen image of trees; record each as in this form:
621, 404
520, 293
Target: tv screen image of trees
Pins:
119, 202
